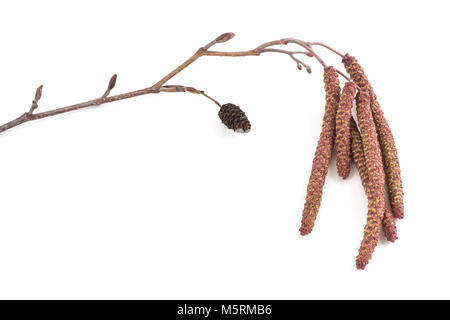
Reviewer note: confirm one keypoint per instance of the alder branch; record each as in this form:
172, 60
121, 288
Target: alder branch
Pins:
160, 85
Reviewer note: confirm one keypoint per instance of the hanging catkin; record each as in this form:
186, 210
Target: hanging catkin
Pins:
344, 112
374, 165
387, 143
389, 225
323, 152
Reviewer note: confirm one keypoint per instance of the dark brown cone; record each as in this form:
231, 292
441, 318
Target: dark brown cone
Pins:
234, 118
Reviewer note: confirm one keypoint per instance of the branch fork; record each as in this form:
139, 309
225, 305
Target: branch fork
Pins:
161, 86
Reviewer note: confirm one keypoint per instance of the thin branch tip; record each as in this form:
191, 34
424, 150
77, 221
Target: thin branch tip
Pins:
311, 44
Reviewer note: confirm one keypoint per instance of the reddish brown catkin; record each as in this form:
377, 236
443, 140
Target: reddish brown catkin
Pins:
389, 226
376, 177
343, 115
323, 152
387, 143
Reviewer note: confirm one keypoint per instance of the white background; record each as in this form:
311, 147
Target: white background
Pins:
154, 198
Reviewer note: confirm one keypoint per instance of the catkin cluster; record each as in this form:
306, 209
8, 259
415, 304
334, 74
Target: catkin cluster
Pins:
387, 143
372, 149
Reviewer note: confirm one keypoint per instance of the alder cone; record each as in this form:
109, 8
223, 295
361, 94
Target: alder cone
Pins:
374, 165
323, 152
234, 118
343, 115
387, 143
389, 225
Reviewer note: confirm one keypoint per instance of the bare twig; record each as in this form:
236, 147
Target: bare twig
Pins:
292, 54
213, 100
345, 76
160, 85
29, 116
327, 47
265, 47
174, 88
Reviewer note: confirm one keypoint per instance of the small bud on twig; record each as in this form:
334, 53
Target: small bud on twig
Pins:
37, 97
224, 37
112, 82
38, 94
